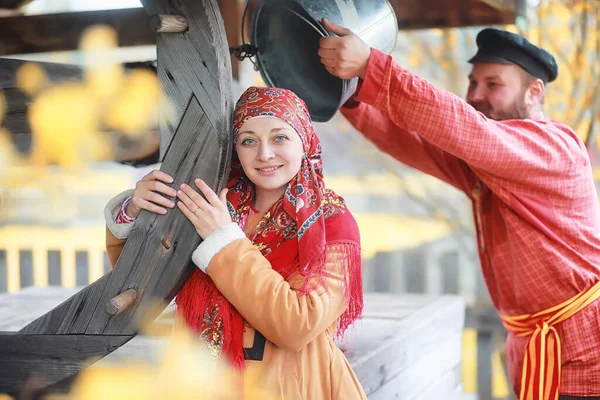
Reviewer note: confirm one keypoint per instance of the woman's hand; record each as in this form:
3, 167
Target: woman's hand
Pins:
207, 216
149, 194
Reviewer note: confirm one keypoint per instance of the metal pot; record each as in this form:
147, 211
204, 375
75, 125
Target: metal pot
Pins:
287, 34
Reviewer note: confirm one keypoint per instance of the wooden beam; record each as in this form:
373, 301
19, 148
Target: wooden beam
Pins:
426, 14
155, 261
232, 11
131, 151
54, 71
60, 32
13, 4
503, 5
49, 356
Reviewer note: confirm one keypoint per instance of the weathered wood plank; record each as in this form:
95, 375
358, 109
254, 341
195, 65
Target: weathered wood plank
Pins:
418, 377
16, 123
60, 32
125, 148
17, 309
503, 5
418, 14
50, 358
54, 71
406, 346
447, 387
148, 264
16, 100
203, 68
13, 4
231, 11
405, 334
156, 258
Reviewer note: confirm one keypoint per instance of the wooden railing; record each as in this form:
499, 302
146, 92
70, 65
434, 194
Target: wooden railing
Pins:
450, 266
75, 256
41, 256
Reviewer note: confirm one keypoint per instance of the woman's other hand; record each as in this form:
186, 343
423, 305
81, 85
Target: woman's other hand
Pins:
149, 194
206, 215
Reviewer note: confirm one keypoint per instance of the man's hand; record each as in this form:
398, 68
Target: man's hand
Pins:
345, 56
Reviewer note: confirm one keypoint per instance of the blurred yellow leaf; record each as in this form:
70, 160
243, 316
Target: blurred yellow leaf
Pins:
96, 147
60, 119
413, 59
137, 105
101, 383
31, 78
561, 13
97, 38
104, 82
186, 371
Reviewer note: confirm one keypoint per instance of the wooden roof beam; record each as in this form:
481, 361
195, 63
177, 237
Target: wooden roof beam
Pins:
503, 5
61, 32
13, 4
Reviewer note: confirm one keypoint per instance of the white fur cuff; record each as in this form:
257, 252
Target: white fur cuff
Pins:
111, 211
215, 242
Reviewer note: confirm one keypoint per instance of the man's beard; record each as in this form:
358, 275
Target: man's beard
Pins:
517, 110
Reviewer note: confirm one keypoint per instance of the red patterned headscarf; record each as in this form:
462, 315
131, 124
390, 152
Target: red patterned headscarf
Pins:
293, 235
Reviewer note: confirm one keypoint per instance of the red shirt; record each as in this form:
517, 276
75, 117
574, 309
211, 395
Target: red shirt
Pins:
534, 202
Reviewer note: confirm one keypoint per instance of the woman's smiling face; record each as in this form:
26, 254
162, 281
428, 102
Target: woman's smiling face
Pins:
270, 152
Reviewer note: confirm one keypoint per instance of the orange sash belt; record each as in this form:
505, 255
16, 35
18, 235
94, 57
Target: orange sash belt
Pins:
540, 378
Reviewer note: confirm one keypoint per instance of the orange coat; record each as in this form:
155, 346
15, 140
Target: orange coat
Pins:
299, 358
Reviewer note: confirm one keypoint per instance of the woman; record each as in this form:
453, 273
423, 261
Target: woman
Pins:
279, 270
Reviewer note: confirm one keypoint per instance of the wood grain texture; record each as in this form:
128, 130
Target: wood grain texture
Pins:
49, 358
156, 258
406, 346
55, 72
426, 14
145, 264
409, 329
13, 4
121, 302
204, 72
168, 23
61, 32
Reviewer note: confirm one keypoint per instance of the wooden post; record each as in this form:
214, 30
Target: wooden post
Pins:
23, 34
168, 23
120, 303
40, 266
195, 72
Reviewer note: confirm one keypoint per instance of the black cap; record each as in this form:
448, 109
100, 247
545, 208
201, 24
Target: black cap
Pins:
499, 46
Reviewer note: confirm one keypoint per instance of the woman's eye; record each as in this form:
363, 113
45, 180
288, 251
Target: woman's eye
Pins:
247, 142
281, 138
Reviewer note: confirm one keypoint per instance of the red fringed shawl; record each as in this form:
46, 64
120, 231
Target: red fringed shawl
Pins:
294, 234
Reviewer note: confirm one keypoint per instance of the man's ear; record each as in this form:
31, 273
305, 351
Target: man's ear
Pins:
535, 93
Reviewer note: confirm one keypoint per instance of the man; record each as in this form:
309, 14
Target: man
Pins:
535, 205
